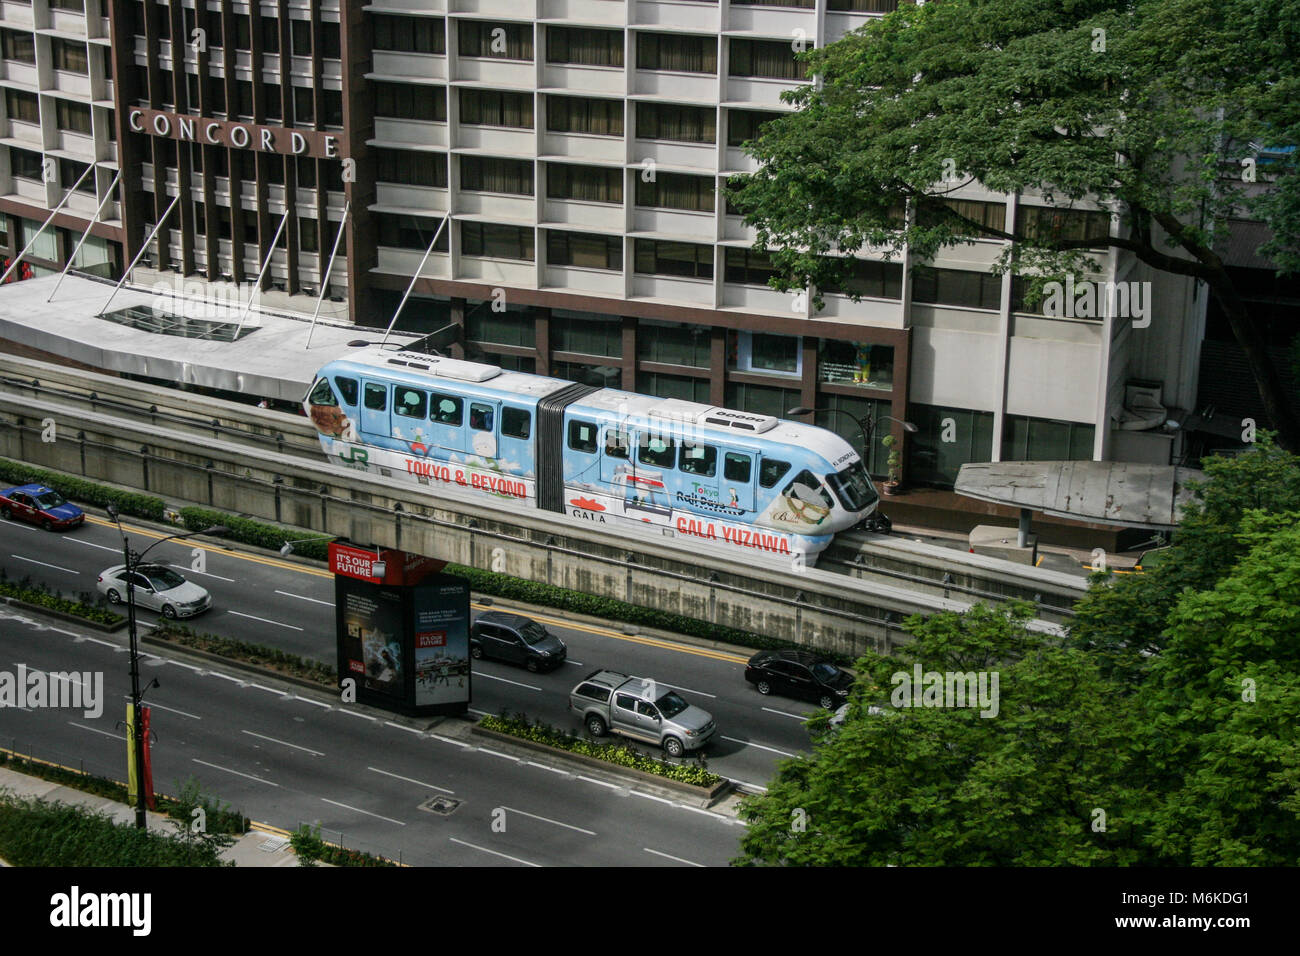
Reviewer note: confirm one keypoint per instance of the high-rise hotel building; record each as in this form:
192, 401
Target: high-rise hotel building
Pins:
578, 148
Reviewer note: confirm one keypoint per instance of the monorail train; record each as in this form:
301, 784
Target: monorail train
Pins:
751, 484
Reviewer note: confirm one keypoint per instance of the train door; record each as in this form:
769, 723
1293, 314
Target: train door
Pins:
517, 437
483, 424
698, 463
374, 410
738, 475
615, 454
446, 424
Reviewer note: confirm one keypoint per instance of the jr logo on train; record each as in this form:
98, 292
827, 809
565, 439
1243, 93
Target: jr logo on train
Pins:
625, 463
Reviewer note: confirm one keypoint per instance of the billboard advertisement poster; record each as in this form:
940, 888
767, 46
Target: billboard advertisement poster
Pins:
370, 635
440, 630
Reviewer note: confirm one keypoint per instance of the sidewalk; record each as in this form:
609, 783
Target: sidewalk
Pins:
258, 847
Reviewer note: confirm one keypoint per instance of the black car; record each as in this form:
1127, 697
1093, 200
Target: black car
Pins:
799, 674
517, 640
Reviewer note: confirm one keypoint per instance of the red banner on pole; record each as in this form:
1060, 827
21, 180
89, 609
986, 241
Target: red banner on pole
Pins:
148, 763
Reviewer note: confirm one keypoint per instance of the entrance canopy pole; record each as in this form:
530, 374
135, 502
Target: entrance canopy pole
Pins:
418, 270
266, 263
31, 242
325, 283
139, 255
86, 235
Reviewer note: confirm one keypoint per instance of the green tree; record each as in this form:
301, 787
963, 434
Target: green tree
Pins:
1141, 104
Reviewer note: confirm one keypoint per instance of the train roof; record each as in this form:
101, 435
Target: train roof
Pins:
395, 362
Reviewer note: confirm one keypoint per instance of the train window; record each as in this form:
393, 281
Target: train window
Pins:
617, 443
582, 436
376, 397
516, 423
480, 417
410, 402
656, 450
736, 467
699, 460
445, 410
770, 472
805, 483
321, 394
347, 388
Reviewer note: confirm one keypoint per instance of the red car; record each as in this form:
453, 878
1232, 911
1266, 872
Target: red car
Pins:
37, 504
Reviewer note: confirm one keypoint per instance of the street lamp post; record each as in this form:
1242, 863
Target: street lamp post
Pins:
868, 430
132, 562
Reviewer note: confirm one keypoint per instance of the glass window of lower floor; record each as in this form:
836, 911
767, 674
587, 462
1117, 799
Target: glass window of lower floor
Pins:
855, 363
946, 439
761, 399
601, 376
1042, 439
673, 386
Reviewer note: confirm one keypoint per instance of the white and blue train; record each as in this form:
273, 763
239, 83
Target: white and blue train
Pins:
751, 484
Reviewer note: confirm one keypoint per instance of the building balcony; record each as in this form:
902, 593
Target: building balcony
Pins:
760, 299
17, 15
591, 281
408, 6
773, 21
735, 161
79, 145
504, 271
497, 140
419, 66
598, 80
502, 9
498, 74
404, 262
402, 132
683, 87
80, 203
733, 227
697, 292
839, 23
682, 14
75, 84
607, 12
416, 199
759, 91
29, 134
498, 208
698, 226
978, 255
591, 215
30, 190
67, 21
20, 74
700, 157
581, 147
882, 313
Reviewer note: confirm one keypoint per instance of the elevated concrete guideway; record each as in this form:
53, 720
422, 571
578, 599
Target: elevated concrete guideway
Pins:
270, 359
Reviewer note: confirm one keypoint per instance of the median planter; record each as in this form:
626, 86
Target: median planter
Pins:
619, 758
39, 601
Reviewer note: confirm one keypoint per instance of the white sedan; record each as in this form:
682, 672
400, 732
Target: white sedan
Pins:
156, 587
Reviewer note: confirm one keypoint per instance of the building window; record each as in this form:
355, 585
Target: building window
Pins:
855, 363
586, 336
273, 97
24, 106
861, 6
674, 344
868, 278
673, 386
769, 59
573, 114
989, 215
1041, 439
409, 101
408, 232
410, 34
25, 164
244, 89
584, 47
864, 410
1047, 223
495, 241
677, 52
746, 125
761, 400
331, 43
511, 327
19, 47
69, 55
748, 267
411, 168
270, 34
505, 41
676, 123
931, 459
332, 107
490, 174
304, 110
584, 183
584, 250
972, 290
676, 191
686, 259
766, 354
76, 6
496, 108
70, 171
306, 171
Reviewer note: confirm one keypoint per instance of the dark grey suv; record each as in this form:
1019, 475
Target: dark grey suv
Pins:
517, 640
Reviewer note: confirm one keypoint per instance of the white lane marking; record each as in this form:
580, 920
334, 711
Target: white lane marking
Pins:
494, 852
669, 856
451, 740
651, 796
366, 812
418, 783
188, 667
750, 743
97, 640
91, 544
684, 806
314, 753
43, 564
497, 753
574, 663
94, 730
24, 527
542, 766
784, 714
504, 681
303, 597
525, 813
264, 620
316, 703
269, 690
207, 574
602, 783
481, 713
751, 786
235, 772
409, 730
697, 693
170, 710
353, 713
233, 680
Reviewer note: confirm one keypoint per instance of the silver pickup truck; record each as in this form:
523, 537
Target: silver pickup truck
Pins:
641, 709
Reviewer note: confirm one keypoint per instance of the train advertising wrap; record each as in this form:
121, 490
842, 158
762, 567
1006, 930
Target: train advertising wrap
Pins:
440, 614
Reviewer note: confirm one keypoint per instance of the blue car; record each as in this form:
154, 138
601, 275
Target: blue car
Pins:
37, 504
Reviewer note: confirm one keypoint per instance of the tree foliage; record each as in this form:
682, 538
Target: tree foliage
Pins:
1147, 106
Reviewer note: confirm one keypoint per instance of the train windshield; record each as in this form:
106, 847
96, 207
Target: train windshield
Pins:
853, 487
322, 394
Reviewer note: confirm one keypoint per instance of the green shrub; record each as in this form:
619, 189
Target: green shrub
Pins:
87, 606
311, 849
623, 755
256, 654
83, 491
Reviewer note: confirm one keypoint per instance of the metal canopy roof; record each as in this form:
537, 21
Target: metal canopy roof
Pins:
1120, 493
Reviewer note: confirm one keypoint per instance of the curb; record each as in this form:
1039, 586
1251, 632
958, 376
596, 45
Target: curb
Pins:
63, 615
709, 795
